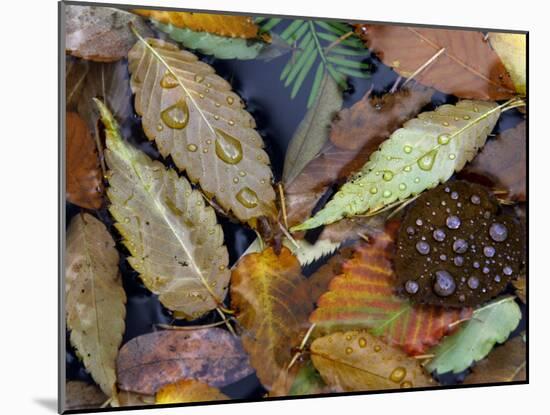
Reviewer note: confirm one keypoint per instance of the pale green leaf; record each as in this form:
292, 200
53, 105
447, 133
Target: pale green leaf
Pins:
425, 152
489, 325
174, 240
316, 84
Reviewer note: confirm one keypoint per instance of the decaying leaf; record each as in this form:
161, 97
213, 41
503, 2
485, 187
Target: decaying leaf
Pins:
272, 308
459, 62
100, 34
312, 133
363, 296
83, 171
506, 363
174, 240
95, 299
358, 361
489, 325
308, 381
512, 49
193, 115
151, 361
502, 164
426, 151
333, 163
82, 395
520, 285
188, 391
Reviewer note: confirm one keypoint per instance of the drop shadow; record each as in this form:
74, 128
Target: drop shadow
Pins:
48, 403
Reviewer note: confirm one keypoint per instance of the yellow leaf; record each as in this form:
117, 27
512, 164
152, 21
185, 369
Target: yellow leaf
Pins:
512, 50
188, 391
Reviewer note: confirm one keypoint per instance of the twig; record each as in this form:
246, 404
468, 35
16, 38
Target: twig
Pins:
339, 40
456, 323
396, 84
289, 236
363, 236
302, 346
424, 66
229, 326
282, 202
424, 356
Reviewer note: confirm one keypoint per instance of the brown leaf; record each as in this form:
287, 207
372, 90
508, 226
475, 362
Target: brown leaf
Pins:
83, 172
100, 34
188, 391
148, 362
467, 68
359, 130
82, 395
272, 307
502, 164
126, 398
520, 285
353, 228
506, 363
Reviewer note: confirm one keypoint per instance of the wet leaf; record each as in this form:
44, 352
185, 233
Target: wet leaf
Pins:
308, 381
358, 361
83, 171
151, 361
468, 67
502, 164
506, 363
82, 395
512, 49
95, 299
333, 163
520, 286
188, 391
363, 296
272, 309
100, 34
489, 325
174, 240
312, 133
426, 151
193, 116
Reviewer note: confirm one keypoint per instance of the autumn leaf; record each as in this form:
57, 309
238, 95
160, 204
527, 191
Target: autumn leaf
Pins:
95, 299
271, 307
82, 395
151, 361
308, 381
426, 151
174, 240
506, 363
489, 325
521, 289
358, 361
512, 49
100, 34
459, 62
188, 391
333, 163
135, 399
363, 296
502, 164
83, 172
193, 116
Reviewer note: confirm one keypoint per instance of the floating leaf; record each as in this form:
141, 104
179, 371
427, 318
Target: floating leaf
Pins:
308, 381
512, 49
100, 34
426, 151
334, 163
312, 133
362, 296
188, 391
506, 363
489, 324
174, 240
193, 116
83, 172
502, 164
272, 308
459, 62
151, 361
95, 299
358, 361
82, 395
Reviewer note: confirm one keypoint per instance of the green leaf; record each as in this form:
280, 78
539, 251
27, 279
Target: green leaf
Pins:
426, 151
316, 84
308, 381
271, 23
303, 72
489, 325
219, 46
331, 28
291, 29
348, 63
296, 60
346, 51
303, 58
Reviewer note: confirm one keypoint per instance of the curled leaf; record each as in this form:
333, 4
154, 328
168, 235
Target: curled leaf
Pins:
193, 115
426, 151
358, 361
188, 391
512, 49
95, 299
174, 240
151, 361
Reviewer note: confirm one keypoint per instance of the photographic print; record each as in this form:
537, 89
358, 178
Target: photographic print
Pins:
260, 207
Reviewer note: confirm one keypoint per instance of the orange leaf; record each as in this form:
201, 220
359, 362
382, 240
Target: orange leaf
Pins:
84, 185
468, 67
188, 391
363, 297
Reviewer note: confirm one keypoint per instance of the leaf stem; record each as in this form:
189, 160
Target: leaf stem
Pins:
424, 66
282, 202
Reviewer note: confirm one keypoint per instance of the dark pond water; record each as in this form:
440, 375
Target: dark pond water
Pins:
277, 117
